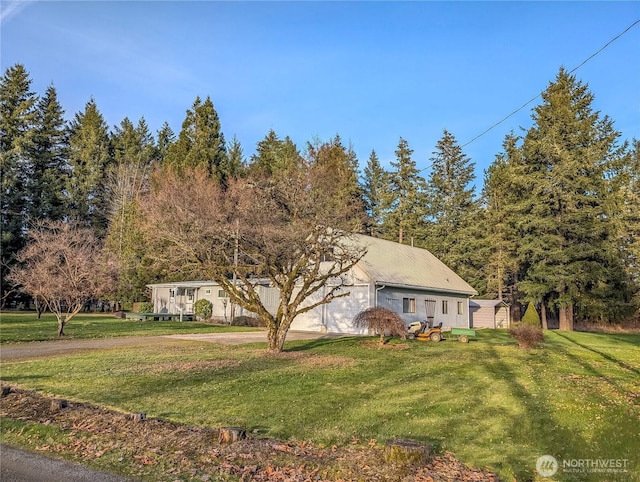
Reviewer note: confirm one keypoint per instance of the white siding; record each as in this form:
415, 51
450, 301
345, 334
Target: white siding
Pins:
482, 317
392, 298
336, 316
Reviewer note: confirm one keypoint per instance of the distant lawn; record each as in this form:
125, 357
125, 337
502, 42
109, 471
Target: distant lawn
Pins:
25, 326
492, 404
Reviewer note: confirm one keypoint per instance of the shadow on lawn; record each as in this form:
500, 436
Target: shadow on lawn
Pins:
537, 427
326, 340
606, 356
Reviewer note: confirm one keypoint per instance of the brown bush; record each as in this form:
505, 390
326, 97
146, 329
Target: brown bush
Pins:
527, 336
251, 321
381, 321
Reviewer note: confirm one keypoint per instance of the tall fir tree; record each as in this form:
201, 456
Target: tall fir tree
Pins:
405, 200
135, 154
374, 183
453, 213
17, 118
234, 163
501, 265
565, 210
627, 183
164, 139
89, 159
49, 170
332, 160
340, 160
275, 156
200, 142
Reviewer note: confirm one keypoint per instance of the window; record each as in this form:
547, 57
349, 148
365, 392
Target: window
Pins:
222, 294
408, 305
172, 294
445, 307
190, 295
460, 308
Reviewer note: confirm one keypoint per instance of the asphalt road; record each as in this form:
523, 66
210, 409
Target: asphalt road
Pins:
20, 466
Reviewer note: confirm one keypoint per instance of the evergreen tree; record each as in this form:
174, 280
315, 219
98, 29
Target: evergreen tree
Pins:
405, 199
453, 214
531, 316
565, 213
275, 156
89, 158
200, 142
135, 154
48, 171
501, 265
627, 183
234, 163
166, 137
17, 118
374, 185
332, 161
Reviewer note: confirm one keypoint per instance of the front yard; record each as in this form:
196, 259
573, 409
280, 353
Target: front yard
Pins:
495, 406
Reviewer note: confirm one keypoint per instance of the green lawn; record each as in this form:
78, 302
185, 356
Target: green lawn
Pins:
25, 326
492, 404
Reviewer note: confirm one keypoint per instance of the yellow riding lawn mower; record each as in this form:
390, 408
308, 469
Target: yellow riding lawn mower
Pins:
423, 331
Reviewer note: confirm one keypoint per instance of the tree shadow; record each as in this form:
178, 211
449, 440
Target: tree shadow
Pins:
606, 356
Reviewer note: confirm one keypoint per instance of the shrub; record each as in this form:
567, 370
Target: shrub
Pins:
382, 321
527, 336
531, 317
203, 309
247, 321
143, 307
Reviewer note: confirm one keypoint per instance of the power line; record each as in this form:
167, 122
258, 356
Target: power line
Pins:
571, 71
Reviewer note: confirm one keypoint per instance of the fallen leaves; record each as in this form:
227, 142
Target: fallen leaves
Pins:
166, 451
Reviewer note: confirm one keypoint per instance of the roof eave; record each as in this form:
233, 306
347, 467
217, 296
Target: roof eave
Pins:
426, 288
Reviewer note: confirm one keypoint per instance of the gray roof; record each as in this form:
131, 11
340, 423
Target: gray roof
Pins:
390, 263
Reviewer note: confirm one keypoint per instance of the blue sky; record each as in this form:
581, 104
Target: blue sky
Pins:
369, 71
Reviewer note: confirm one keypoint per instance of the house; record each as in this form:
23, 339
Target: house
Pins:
181, 296
489, 314
408, 280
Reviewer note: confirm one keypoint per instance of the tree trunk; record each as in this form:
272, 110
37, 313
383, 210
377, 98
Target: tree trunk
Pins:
277, 335
61, 328
566, 318
543, 314
39, 307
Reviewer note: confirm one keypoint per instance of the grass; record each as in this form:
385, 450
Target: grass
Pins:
25, 326
492, 404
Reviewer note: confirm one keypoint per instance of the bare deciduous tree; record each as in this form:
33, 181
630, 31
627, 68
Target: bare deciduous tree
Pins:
382, 321
292, 232
62, 267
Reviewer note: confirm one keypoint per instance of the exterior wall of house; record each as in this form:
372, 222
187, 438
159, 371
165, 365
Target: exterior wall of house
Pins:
336, 316
172, 298
450, 309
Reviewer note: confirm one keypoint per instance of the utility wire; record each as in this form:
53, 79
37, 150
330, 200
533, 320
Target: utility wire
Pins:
534, 98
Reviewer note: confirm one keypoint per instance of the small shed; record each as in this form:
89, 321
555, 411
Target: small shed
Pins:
489, 314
